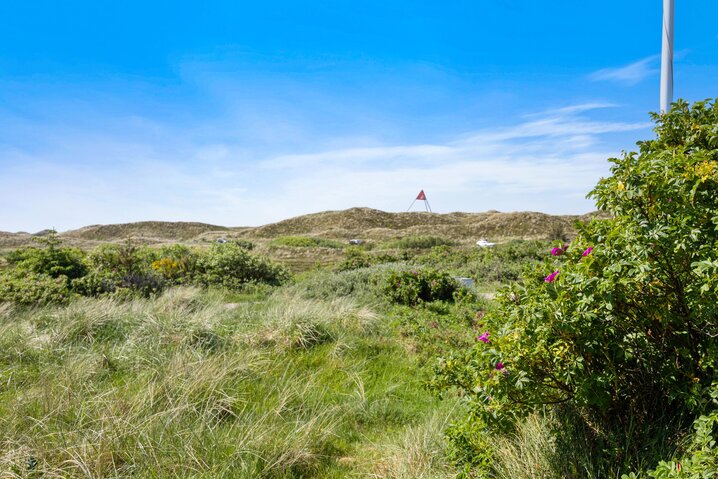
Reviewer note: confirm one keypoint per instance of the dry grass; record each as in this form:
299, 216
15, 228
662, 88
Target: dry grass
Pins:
378, 225
183, 386
365, 223
416, 454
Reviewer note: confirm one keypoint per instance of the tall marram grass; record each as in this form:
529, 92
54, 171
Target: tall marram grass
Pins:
190, 385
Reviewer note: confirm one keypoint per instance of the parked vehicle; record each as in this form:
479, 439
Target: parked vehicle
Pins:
484, 244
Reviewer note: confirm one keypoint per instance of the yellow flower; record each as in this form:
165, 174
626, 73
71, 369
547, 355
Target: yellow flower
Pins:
705, 170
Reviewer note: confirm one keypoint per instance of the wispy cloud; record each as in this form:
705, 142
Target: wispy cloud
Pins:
546, 162
630, 74
577, 108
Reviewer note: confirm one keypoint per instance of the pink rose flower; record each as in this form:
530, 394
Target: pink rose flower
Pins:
552, 277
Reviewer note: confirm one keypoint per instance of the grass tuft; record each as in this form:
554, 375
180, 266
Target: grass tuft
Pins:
281, 385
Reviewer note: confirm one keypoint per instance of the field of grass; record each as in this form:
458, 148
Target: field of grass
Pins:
206, 383
397, 358
322, 377
335, 227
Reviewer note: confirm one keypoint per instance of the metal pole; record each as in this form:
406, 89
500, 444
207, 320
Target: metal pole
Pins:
667, 57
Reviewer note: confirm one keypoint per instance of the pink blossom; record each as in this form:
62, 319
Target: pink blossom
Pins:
500, 366
552, 277
587, 251
484, 337
559, 250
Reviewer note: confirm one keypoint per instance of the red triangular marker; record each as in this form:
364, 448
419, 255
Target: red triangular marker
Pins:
421, 196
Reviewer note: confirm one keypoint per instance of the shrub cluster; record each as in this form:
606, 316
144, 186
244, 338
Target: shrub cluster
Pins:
621, 324
502, 263
54, 274
418, 242
31, 288
356, 258
418, 286
231, 265
305, 242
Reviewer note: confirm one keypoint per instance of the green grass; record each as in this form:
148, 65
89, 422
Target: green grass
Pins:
203, 384
305, 242
418, 242
321, 378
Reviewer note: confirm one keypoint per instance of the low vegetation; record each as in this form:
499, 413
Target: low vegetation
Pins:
418, 242
588, 356
305, 242
189, 384
55, 274
615, 331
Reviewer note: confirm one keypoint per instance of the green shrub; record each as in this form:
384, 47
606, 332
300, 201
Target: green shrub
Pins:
33, 289
243, 243
177, 264
122, 259
51, 259
305, 242
500, 264
418, 242
416, 286
95, 283
699, 460
232, 266
354, 259
622, 323
123, 270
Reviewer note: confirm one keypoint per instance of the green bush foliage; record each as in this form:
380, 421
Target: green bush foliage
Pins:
54, 275
699, 460
243, 243
33, 289
418, 242
621, 323
42, 275
177, 264
305, 242
123, 270
418, 286
51, 259
500, 264
232, 266
355, 259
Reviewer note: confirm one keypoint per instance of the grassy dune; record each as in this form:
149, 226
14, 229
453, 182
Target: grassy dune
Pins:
198, 384
366, 223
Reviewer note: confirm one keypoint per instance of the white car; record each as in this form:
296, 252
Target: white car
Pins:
484, 244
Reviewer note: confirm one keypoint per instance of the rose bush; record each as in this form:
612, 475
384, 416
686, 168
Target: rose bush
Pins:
622, 325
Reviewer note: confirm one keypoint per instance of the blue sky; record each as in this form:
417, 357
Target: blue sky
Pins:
244, 113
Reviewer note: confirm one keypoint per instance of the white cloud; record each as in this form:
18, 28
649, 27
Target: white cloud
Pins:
630, 74
578, 108
545, 163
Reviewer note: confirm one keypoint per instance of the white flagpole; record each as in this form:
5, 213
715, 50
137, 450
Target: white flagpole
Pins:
667, 57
